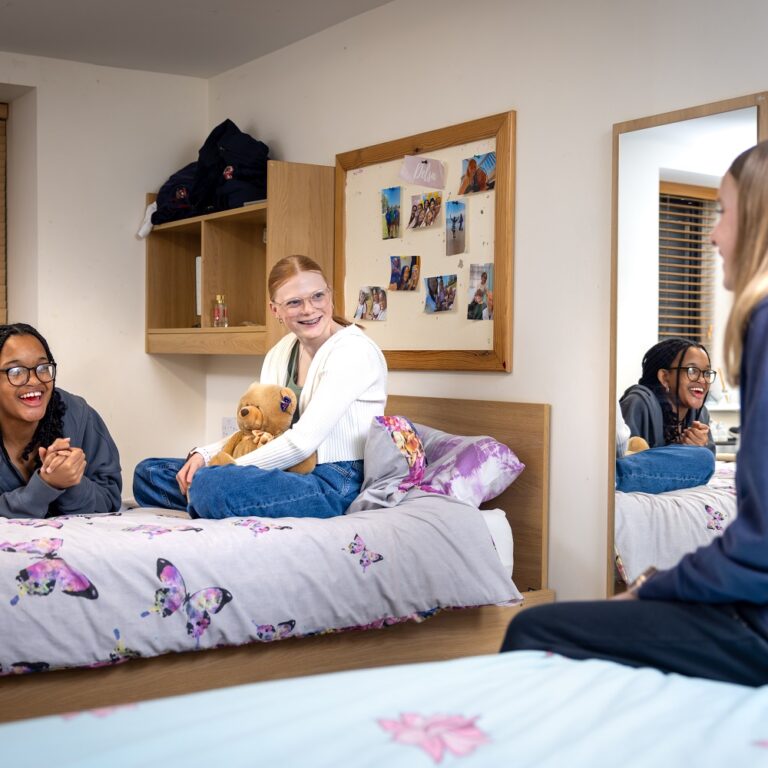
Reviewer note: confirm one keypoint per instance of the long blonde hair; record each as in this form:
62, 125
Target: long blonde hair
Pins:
290, 266
750, 258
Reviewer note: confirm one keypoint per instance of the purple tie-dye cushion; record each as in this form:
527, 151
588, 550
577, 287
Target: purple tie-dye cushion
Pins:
471, 469
401, 457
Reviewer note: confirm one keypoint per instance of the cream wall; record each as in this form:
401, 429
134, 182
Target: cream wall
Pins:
85, 144
98, 138
571, 70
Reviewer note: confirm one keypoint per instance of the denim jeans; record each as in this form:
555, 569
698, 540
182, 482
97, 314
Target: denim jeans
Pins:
235, 491
666, 468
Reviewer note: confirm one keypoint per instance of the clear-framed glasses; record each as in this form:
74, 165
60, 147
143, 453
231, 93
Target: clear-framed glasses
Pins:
18, 375
693, 373
318, 299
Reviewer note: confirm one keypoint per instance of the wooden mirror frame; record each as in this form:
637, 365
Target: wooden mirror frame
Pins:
502, 128
758, 100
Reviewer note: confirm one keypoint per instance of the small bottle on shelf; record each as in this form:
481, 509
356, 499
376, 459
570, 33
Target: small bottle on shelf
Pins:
220, 315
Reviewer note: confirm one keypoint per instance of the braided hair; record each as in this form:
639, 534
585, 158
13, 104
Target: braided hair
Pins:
659, 357
51, 426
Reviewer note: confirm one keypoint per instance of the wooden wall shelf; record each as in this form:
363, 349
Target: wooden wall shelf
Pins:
236, 250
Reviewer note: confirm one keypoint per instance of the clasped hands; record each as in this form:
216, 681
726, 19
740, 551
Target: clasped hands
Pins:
63, 465
696, 434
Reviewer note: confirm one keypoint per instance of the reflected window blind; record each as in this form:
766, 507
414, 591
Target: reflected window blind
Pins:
686, 261
3, 216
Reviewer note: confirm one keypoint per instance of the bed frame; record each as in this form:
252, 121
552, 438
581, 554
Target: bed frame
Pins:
450, 634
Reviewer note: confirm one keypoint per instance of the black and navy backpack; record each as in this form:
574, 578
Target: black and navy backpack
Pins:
231, 170
173, 199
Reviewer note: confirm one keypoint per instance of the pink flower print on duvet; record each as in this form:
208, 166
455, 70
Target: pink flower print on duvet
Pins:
715, 519
40, 578
437, 734
367, 558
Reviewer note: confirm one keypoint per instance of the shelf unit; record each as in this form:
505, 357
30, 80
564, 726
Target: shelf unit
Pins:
235, 259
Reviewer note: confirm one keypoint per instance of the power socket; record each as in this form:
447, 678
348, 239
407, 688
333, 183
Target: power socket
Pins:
228, 426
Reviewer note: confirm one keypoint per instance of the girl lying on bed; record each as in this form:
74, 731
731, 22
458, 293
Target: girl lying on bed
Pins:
707, 616
58, 456
657, 470
339, 375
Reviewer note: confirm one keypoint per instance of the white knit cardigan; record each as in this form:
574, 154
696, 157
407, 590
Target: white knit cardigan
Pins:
345, 387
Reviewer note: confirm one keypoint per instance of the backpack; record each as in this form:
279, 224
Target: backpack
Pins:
173, 199
231, 170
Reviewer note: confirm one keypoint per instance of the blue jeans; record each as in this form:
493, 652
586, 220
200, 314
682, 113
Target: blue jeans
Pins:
666, 468
234, 491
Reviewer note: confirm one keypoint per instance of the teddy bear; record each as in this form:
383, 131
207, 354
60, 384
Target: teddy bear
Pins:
264, 412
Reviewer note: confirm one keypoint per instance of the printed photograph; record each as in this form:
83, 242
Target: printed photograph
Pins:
404, 275
480, 297
478, 173
425, 209
390, 213
371, 303
455, 227
441, 293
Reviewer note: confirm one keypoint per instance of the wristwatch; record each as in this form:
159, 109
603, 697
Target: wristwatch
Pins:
642, 578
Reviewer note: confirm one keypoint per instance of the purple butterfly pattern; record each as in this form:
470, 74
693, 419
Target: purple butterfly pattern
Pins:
158, 530
715, 518
198, 606
35, 523
258, 527
266, 633
367, 557
40, 578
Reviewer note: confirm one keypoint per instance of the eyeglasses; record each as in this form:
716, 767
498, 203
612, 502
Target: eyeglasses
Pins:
693, 373
318, 299
18, 375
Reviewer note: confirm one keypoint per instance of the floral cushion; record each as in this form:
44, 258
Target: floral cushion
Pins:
401, 457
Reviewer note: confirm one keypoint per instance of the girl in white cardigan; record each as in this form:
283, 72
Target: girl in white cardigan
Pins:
339, 375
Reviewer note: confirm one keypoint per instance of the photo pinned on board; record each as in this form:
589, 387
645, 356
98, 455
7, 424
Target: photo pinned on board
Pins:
390, 213
441, 293
425, 210
404, 274
455, 227
371, 303
480, 305
478, 173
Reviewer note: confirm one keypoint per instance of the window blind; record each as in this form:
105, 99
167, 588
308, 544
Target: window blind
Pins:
686, 261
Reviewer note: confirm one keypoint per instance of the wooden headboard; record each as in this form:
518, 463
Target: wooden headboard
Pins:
524, 427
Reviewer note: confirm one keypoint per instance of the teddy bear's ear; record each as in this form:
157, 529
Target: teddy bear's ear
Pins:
287, 400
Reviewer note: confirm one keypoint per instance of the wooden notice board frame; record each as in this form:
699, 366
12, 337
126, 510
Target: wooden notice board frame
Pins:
500, 127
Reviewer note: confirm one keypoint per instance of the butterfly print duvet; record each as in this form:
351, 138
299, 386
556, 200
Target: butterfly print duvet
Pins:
100, 590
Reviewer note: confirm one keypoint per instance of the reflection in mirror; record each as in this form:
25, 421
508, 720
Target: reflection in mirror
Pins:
681, 293
668, 282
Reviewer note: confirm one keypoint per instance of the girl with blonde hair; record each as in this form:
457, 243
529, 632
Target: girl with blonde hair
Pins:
708, 615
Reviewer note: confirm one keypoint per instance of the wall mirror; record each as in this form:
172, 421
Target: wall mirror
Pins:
665, 277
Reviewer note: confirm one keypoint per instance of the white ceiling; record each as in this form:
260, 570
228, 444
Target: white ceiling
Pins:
201, 38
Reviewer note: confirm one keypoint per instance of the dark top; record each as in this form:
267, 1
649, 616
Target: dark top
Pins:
98, 490
291, 377
642, 413
733, 568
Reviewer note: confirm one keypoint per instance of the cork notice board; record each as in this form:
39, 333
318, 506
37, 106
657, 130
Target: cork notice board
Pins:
412, 338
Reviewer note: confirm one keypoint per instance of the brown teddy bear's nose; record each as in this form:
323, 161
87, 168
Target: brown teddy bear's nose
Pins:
244, 412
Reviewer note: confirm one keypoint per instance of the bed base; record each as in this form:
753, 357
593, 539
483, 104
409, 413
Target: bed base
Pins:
449, 635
